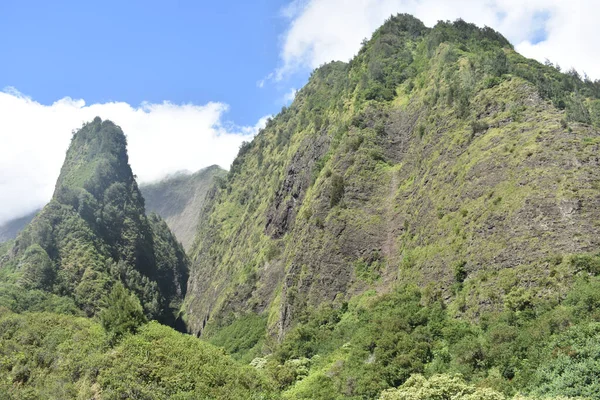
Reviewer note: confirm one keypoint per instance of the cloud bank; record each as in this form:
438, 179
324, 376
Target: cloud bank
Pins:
562, 31
163, 138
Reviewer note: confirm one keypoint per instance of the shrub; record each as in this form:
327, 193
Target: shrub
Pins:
337, 190
123, 313
439, 387
586, 262
460, 273
479, 126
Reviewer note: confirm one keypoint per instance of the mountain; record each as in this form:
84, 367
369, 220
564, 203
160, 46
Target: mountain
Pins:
430, 206
92, 252
94, 232
179, 198
11, 229
421, 222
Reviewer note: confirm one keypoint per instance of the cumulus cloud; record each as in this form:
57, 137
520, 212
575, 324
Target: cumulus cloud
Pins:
163, 138
562, 31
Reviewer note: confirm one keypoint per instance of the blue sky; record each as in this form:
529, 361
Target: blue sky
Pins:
134, 51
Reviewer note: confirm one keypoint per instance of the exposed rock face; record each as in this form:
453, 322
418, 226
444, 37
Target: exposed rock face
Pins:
432, 152
178, 199
288, 199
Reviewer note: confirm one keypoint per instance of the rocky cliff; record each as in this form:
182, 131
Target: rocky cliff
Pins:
438, 156
179, 198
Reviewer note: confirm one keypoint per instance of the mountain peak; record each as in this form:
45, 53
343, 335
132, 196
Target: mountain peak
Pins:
97, 157
95, 232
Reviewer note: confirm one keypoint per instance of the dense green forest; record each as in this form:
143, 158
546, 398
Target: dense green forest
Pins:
421, 223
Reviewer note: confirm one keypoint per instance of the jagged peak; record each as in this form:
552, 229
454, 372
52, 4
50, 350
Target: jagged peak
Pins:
96, 158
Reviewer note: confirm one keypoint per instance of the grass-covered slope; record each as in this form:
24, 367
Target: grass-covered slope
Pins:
436, 157
94, 232
178, 199
50, 356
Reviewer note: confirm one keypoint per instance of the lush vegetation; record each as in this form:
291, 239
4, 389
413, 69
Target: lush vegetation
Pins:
50, 356
416, 225
445, 387
356, 350
95, 232
415, 211
535, 347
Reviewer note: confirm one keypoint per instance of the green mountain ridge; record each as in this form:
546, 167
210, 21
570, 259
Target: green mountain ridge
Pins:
420, 223
179, 198
80, 282
95, 232
433, 150
438, 161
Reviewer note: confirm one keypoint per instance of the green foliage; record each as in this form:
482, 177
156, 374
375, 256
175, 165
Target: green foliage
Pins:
377, 342
380, 155
572, 369
384, 341
4, 247
347, 140
94, 232
439, 387
123, 313
15, 298
337, 190
368, 270
478, 127
159, 363
38, 271
243, 339
460, 273
586, 262
49, 356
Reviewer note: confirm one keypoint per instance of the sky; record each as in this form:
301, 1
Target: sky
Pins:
188, 81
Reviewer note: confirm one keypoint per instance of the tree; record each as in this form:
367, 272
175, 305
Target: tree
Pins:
439, 387
123, 313
337, 190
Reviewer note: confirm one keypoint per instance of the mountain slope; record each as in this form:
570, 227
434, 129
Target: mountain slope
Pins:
94, 231
432, 150
178, 199
11, 229
437, 157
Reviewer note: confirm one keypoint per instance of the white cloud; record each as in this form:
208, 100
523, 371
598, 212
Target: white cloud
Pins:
324, 30
163, 138
290, 96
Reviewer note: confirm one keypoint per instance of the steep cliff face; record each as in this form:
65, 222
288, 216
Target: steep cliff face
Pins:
178, 199
436, 156
94, 231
